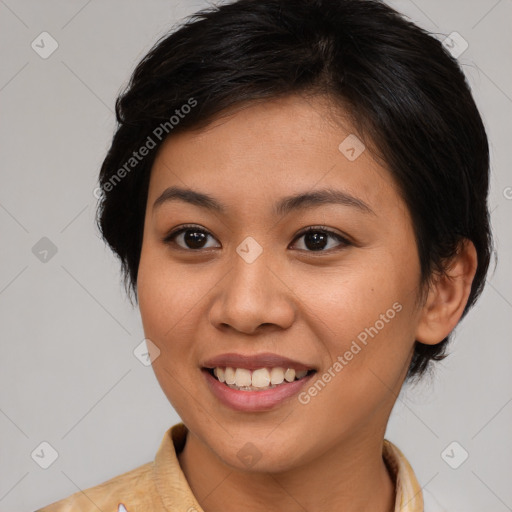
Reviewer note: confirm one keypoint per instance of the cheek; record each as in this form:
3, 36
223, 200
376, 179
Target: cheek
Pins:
367, 335
166, 293
162, 304
346, 301
173, 304
365, 319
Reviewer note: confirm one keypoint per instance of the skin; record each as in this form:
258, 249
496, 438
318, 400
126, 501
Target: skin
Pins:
299, 303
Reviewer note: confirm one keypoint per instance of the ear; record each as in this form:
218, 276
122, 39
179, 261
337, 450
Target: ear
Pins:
447, 296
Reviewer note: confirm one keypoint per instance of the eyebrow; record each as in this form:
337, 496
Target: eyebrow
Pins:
282, 207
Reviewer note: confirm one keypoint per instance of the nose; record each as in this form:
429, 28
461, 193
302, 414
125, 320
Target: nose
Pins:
253, 296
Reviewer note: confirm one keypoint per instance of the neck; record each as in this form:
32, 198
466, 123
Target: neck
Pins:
351, 477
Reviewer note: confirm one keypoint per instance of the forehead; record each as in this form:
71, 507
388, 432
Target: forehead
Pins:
268, 150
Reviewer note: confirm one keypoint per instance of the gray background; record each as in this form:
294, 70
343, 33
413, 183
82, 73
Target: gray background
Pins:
67, 369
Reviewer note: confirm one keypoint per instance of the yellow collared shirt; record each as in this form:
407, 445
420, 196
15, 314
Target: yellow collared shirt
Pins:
161, 486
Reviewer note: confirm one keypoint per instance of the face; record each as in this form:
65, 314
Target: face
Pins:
248, 278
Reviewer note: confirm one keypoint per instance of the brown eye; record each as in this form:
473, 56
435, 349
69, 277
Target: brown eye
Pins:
316, 239
190, 237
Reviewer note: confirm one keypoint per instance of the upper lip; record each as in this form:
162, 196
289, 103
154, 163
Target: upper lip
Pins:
254, 361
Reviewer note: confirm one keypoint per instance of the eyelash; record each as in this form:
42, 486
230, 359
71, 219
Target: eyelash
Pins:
169, 239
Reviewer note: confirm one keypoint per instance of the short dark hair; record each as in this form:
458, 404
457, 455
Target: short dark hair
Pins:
406, 95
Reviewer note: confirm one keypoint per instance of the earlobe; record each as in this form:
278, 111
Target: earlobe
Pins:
447, 296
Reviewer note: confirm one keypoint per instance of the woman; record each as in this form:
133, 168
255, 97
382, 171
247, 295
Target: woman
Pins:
297, 192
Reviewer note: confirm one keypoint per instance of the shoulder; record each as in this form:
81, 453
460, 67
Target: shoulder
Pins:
144, 488
114, 495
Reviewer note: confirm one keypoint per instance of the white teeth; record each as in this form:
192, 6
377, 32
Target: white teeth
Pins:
262, 378
276, 375
242, 377
229, 375
289, 375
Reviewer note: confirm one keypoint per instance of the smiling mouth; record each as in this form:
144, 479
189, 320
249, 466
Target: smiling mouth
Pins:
261, 379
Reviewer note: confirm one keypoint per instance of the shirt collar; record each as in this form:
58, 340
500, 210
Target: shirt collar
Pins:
409, 497
176, 494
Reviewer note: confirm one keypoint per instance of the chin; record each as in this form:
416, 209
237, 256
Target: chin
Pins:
259, 454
